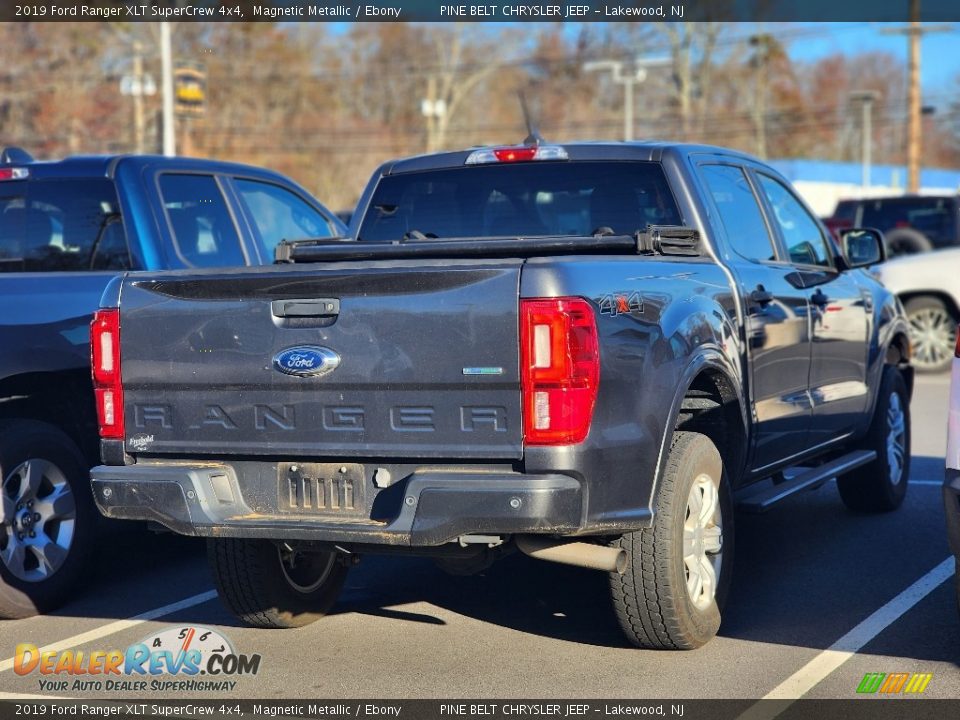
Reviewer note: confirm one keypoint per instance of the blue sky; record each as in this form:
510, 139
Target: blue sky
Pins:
811, 41
941, 56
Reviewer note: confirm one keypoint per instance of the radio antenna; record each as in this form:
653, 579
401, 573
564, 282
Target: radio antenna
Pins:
533, 134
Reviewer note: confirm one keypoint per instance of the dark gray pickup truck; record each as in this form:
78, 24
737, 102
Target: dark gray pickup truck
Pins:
588, 353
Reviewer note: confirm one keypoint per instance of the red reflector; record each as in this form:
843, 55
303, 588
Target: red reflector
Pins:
105, 362
560, 371
956, 348
515, 154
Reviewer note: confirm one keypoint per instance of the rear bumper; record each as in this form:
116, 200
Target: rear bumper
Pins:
427, 508
951, 504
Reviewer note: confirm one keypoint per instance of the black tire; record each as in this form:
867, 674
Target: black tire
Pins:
906, 241
255, 586
879, 486
651, 599
65, 532
933, 333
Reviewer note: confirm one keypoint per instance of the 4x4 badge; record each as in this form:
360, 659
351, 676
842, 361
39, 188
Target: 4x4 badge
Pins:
620, 303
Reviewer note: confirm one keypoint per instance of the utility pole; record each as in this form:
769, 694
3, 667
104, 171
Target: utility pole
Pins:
166, 62
433, 109
136, 85
914, 32
139, 123
866, 99
762, 42
639, 74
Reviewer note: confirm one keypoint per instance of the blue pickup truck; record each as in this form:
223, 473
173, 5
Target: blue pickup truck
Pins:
66, 229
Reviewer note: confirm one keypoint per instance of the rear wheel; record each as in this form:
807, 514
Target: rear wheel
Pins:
881, 486
271, 585
906, 241
678, 571
933, 333
48, 519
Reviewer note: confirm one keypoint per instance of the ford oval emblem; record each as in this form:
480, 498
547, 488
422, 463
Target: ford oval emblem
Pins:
306, 360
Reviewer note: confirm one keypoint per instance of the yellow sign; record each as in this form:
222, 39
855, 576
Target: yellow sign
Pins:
190, 91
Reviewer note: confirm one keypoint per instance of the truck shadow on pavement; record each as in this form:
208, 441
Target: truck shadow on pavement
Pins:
805, 574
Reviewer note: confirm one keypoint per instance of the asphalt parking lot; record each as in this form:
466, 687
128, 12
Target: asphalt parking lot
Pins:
802, 618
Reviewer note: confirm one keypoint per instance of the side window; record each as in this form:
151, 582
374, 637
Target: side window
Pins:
280, 214
739, 211
805, 242
63, 225
200, 220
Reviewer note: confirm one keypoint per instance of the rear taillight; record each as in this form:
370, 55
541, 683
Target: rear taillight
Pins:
14, 173
105, 358
560, 369
956, 347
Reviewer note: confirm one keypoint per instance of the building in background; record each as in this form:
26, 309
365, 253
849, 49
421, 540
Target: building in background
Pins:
823, 183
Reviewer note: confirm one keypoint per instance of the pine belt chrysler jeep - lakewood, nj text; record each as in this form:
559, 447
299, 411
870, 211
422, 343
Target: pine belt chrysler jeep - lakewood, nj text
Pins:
585, 352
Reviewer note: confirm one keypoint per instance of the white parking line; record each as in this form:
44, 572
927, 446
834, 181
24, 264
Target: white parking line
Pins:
932, 483
804, 680
120, 625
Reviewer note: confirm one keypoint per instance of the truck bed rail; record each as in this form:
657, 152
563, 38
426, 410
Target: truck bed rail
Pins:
662, 240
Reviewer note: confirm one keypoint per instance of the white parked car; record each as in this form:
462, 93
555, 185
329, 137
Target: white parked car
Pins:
951, 483
928, 284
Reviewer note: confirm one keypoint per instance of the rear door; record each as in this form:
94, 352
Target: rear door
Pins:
776, 315
275, 213
838, 315
341, 360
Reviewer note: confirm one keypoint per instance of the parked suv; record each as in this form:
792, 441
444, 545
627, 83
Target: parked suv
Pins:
66, 229
910, 223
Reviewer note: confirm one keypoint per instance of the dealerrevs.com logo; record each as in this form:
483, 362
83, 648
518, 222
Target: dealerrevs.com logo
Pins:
176, 659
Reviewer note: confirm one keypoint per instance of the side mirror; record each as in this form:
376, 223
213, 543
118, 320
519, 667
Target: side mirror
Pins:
862, 247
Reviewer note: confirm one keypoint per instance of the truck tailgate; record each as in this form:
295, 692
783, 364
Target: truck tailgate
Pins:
425, 361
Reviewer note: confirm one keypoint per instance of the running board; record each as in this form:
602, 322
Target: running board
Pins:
765, 499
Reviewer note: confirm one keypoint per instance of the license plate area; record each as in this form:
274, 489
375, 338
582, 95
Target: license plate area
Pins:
322, 489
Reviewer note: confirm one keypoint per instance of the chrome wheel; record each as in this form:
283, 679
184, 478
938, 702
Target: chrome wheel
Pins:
38, 522
305, 572
933, 334
702, 541
896, 438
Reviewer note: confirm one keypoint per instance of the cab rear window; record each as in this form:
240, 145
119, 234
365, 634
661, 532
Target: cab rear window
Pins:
521, 199
61, 225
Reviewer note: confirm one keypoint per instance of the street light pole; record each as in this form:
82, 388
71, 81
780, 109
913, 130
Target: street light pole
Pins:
866, 98
639, 74
166, 62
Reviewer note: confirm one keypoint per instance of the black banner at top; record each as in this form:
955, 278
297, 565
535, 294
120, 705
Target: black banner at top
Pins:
477, 10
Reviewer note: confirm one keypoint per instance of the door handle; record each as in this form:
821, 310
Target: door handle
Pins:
761, 295
309, 308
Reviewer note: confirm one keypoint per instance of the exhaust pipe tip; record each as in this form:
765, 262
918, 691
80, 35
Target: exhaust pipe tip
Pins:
578, 554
